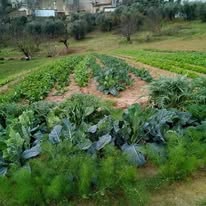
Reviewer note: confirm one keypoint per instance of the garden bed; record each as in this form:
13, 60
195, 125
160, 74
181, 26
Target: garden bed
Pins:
137, 93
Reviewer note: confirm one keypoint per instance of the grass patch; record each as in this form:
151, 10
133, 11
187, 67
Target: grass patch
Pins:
9, 52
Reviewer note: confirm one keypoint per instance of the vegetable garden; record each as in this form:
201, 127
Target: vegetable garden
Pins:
113, 76
85, 150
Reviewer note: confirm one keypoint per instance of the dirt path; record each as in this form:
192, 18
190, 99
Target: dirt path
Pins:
154, 71
137, 93
187, 193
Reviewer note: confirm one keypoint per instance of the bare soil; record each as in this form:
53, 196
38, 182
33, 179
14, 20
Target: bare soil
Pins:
137, 93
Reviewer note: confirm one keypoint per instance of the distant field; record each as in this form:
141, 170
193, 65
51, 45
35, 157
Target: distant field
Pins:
9, 69
192, 64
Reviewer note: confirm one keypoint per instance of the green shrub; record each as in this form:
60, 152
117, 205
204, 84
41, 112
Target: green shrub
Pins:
199, 91
80, 108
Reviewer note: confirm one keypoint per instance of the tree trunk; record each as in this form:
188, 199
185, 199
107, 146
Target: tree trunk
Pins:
65, 42
128, 38
26, 54
28, 57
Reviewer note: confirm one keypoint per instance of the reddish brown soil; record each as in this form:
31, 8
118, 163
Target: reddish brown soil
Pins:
70, 50
137, 93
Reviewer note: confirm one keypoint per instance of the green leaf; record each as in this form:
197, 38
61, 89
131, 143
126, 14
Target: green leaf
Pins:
103, 141
88, 111
93, 129
85, 145
3, 170
54, 136
14, 147
3, 167
134, 155
32, 152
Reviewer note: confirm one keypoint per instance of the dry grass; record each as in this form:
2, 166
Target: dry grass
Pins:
174, 36
177, 36
189, 193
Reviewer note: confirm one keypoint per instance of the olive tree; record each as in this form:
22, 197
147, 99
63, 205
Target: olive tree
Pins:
154, 19
35, 29
26, 45
131, 20
104, 21
57, 29
189, 10
202, 12
21, 38
78, 29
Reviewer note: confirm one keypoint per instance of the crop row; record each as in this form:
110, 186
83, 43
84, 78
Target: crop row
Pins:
110, 79
170, 62
52, 154
165, 65
113, 74
116, 63
82, 72
38, 84
192, 58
